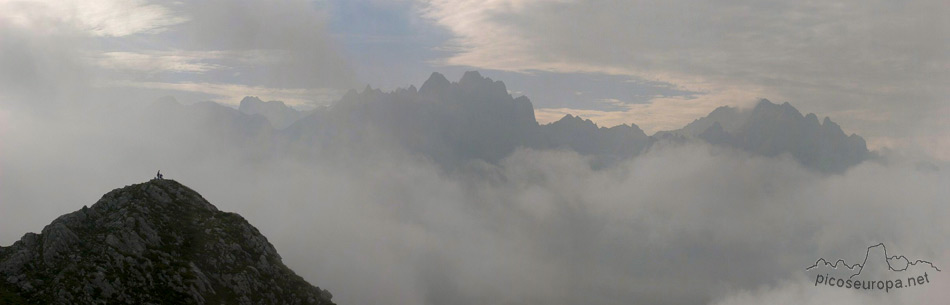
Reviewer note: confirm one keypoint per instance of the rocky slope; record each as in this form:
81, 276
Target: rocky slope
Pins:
157, 242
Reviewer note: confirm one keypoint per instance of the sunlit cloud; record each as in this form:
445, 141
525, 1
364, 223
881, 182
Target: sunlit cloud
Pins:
169, 61
231, 94
110, 18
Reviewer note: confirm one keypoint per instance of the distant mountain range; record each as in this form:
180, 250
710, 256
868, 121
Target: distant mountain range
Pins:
157, 242
477, 119
161, 242
279, 114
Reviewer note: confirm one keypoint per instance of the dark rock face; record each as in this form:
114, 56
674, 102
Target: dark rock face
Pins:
157, 242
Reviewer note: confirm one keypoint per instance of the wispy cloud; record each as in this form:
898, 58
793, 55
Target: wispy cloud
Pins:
59, 50
231, 94
185, 61
97, 18
166, 61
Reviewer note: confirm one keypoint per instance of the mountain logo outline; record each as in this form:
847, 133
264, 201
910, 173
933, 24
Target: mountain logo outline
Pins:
860, 266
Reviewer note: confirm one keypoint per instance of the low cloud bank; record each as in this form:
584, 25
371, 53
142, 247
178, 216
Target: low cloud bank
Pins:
681, 223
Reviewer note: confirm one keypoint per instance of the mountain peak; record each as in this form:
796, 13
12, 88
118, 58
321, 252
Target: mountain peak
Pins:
251, 103
766, 110
436, 82
725, 109
470, 76
764, 103
472, 81
569, 119
157, 241
827, 121
251, 99
277, 113
771, 129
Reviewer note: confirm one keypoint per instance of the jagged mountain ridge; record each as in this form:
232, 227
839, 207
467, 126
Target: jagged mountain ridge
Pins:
476, 118
452, 122
586, 138
449, 122
154, 242
771, 129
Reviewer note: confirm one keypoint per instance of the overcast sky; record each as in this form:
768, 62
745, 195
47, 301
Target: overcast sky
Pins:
688, 223
879, 68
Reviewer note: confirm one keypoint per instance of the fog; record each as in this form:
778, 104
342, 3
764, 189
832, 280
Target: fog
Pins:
682, 223
376, 223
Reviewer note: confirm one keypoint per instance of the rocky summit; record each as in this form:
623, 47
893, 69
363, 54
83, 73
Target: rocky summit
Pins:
157, 242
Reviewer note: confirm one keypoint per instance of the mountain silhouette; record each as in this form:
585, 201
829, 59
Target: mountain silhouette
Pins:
474, 118
277, 113
205, 118
153, 242
770, 129
452, 123
586, 138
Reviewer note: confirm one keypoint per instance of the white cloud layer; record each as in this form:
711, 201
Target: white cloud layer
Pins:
681, 224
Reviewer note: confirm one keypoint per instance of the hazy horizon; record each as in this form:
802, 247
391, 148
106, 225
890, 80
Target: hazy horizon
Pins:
448, 188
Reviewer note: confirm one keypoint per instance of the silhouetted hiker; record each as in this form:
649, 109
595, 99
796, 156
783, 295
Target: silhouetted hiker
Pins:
159, 175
